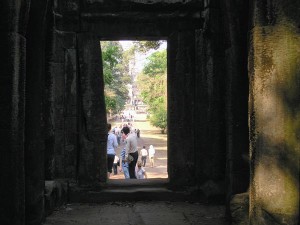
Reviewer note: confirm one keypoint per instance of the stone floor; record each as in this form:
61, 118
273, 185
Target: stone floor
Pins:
139, 213
151, 203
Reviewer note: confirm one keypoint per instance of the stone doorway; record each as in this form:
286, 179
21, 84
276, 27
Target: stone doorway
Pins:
124, 62
180, 35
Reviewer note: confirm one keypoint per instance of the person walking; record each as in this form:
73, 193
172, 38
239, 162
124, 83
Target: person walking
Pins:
131, 149
124, 166
112, 144
140, 172
144, 154
151, 155
118, 134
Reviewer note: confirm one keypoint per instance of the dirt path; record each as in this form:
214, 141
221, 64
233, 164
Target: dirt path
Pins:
149, 135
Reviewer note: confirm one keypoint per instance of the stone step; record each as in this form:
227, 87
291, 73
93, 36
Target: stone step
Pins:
129, 190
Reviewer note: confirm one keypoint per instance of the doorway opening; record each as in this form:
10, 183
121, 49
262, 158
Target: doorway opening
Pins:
135, 80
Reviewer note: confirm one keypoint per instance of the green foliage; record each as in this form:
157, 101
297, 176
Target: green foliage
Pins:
144, 46
110, 102
159, 118
121, 101
111, 56
152, 84
115, 76
156, 64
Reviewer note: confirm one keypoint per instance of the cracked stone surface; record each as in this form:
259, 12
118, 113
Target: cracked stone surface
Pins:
139, 213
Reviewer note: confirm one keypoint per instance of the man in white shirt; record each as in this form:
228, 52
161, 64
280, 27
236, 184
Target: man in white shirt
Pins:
144, 154
131, 149
151, 155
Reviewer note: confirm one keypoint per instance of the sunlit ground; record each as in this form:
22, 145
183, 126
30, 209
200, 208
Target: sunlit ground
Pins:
149, 135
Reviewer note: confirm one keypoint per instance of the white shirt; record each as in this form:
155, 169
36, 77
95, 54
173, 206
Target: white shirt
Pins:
117, 130
140, 173
144, 152
116, 159
151, 151
131, 144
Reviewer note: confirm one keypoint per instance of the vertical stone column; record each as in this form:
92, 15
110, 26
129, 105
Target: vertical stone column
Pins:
209, 84
12, 104
34, 118
55, 157
237, 133
49, 105
63, 142
181, 58
274, 75
70, 112
13, 21
92, 111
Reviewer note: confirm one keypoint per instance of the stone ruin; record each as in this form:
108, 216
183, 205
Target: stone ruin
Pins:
233, 99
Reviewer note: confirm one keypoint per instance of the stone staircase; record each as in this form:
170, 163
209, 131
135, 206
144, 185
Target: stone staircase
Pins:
130, 190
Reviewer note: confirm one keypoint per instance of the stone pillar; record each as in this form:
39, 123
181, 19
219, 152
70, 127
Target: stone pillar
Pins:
12, 89
55, 157
237, 91
13, 20
49, 106
209, 85
34, 118
92, 112
274, 75
71, 120
181, 59
63, 89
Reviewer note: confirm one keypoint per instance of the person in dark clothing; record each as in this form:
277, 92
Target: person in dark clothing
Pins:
131, 149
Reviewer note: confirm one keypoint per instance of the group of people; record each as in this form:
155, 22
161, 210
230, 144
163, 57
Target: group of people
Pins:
127, 116
145, 153
128, 160
117, 131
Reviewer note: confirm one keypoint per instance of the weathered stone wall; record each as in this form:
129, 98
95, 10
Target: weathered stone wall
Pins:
236, 19
209, 126
49, 104
13, 22
181, 58
274, 75
67, 15
92, 127
61, 130
136, 20
63, 75
34, 113
79, 110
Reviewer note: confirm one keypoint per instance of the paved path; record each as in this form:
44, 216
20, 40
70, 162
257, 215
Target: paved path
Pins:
149, 135
139, 213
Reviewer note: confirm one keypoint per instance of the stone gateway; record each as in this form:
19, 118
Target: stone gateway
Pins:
233, 86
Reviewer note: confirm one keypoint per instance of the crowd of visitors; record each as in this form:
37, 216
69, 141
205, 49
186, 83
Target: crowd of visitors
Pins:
126, 137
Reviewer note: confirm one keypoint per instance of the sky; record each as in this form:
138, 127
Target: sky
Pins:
141, 58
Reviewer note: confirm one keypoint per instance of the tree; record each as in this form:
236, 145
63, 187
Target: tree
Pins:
156, 64
115, 76
152, 83
111, 56
145, 46
159, 118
